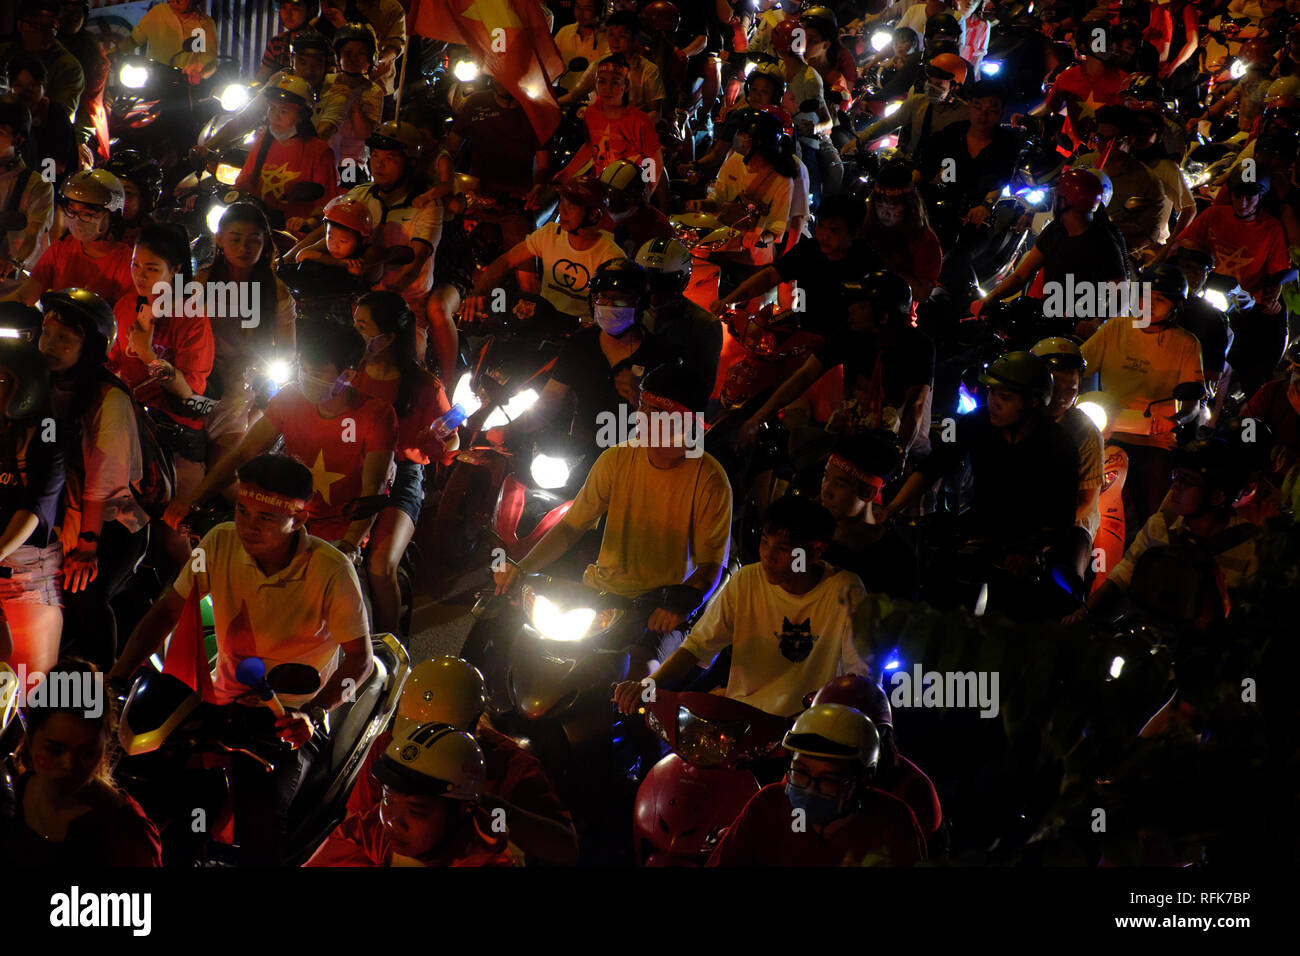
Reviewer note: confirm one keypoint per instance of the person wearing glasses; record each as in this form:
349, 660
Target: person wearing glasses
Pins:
827, 811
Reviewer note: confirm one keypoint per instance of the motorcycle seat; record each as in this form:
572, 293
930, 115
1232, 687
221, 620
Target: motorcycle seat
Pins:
352, 717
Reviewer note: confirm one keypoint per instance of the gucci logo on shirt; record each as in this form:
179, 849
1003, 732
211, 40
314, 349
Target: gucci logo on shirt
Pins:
570, 275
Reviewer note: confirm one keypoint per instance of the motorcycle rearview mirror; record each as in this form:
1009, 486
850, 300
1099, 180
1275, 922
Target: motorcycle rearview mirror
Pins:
1218, 282
578, 64
304, 192
1189, 392
294, 678
13, 221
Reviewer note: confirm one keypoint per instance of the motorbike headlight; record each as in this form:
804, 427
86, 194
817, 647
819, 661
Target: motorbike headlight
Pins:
991, 67
1032, 195
1196, 174
10, 334
213, 219
1096, 414
881, 39
465, 396
556, 623
466, 71
519, 403
550, 472
227, 174
707, 743
133, 76
1237, 70
1116, 667
234, 97
894, 107
1215, 298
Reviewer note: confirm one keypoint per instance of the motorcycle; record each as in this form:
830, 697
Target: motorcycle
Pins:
689, 798
711, 241
165, 725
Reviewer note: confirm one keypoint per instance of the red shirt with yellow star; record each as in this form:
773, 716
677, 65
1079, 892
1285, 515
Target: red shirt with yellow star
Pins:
334, 449
1250, 252
1084, 95
295, 160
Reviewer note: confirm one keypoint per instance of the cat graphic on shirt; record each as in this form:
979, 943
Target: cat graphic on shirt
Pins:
796, 640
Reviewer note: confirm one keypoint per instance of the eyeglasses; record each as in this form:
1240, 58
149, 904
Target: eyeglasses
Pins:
826, 786
82, 216
1185, 480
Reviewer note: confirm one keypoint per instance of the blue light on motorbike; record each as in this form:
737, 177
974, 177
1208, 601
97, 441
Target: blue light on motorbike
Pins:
991, 67
1031, 194
550, 472
893, 661
133, 76
707, 743
966, 402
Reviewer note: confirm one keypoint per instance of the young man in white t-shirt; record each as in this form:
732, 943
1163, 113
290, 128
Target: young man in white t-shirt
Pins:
788, 619
570, 251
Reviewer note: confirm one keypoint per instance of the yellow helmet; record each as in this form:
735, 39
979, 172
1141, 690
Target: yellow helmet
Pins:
835, 732
434, 760
444, 690
623, 176
397, 135
95, 187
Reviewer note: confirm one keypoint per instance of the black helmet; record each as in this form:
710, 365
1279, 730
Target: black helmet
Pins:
310, 40
620, 275
356, 31
18, 321
821, 19
1221, 462
87, 312
942, 24
888, 290
764, 130
1023, 373
141, 169
15, 114
31, 377
770, 71
1168, 280
1193, 254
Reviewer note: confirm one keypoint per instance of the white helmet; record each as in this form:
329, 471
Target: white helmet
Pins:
835, 732
666, 261
434, 760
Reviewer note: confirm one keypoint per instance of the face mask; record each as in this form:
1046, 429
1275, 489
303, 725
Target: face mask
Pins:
316, 390
817, 807
85, 231
614, 319
280, 137
935, 94
377, 344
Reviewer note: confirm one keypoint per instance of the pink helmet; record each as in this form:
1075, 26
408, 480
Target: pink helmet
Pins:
858, 693
682, 811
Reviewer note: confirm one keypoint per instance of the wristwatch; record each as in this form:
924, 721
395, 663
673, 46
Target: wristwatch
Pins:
316, 714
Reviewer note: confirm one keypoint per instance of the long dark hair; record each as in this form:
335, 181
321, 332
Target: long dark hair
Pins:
36, 716
171, 243
263, 269
392, 316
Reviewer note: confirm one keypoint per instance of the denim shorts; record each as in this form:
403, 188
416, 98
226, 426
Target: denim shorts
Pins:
407, 493
35, 577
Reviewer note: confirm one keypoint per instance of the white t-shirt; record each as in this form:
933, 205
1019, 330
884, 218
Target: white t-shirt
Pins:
771, 189
783, 645
398, 226
566, 271
301, 613
571, 45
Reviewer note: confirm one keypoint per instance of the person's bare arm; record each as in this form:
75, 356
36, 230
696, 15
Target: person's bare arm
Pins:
909, 418
28, 293
1030, 264
19, 529
257, 440
374, 469
542, 838
1085, 501
762, 280
792, 388
504, 264
553, 546
352, 672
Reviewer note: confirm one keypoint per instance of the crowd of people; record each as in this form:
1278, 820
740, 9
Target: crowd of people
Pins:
865, 160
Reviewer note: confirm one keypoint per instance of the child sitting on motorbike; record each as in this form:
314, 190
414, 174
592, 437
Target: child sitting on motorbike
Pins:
787, 619
431, 812
448, 690
343, 248
827, 811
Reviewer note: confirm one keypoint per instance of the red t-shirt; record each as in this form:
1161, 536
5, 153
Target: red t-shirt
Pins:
763, 835
287, 163
363, 841
64, 266
631, 136
184, 341
1247, 251
333, 451
513, 775
921, 256
413, 433
914, 788
1083, 95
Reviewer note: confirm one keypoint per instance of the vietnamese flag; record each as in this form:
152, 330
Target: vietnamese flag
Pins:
508, 39
186, 659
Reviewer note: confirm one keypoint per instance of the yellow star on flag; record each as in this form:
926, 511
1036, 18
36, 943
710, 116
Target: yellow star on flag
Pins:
322, 479
275, 178
1090, 106
492, 14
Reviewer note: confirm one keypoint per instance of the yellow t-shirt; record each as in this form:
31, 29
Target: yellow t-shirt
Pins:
1138, 367
662, 523
164, 35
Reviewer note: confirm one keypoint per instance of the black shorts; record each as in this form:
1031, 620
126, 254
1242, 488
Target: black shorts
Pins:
407, 493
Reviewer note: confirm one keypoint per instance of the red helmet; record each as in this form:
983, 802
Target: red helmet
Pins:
350, 213
1080, 189
783, 36
860, 694
661, 16
681, 811
785, 119
1256, 52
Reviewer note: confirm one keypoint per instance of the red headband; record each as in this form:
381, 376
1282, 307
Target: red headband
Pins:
649, 400
266, 499
874, 482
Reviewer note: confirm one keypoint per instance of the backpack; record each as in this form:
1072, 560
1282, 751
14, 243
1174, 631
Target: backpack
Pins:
157, 484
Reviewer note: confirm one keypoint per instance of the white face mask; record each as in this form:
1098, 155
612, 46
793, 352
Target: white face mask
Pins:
935, 94
280, 137
86, 231
316, 390
614, 319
